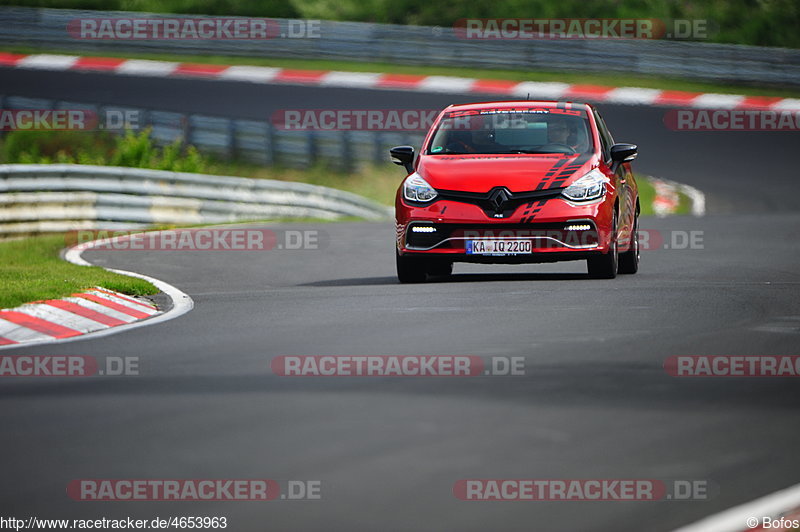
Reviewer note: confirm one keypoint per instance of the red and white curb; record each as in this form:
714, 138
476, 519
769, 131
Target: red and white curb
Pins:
778, 508
367, 80
77, 315
96, 312
667, 197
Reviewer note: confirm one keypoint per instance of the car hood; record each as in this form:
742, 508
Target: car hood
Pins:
481, 173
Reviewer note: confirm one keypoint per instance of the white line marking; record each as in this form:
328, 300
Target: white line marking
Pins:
350, 79
253, 74
541, 90
735, 519
633, 96
48, 62
788, 104
717, 101
143, 67
697, 197
445, 84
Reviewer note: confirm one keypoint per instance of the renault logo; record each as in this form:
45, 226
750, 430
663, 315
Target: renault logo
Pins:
498, 198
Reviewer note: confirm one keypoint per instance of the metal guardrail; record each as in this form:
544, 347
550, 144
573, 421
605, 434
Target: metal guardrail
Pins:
258, 142
44, 198
421, 45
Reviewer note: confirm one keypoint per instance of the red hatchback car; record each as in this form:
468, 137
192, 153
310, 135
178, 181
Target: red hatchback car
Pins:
517, 182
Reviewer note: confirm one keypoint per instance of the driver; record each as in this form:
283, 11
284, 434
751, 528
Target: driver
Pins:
564, 132
558, 132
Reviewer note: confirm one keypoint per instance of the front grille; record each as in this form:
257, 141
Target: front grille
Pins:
444, 231
499, 202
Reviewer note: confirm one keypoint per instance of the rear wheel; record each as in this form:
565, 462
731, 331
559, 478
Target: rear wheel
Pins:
605, 266
410, 269
629, 261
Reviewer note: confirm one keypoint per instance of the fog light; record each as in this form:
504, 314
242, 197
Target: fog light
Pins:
423, 229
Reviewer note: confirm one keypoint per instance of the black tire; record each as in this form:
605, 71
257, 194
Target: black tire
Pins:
605, 266
410, 269
629, 261
440, 268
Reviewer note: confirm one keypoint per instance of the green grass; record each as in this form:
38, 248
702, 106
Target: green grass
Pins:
613, 80
31, 270
647, 193
684, 204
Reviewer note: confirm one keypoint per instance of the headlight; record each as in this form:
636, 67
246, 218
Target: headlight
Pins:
417, 189
589, 187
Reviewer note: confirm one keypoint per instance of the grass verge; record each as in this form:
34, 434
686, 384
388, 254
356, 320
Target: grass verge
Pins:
32, 270
647, 194
589, 78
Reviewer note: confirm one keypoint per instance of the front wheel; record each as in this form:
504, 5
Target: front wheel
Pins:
629, 261
410, 269
605, 266
440, 268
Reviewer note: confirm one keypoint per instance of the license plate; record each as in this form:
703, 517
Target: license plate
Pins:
495, 246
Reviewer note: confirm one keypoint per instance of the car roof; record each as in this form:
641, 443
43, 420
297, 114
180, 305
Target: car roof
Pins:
520, 104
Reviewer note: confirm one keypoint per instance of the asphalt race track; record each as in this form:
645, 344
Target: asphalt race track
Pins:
595, 401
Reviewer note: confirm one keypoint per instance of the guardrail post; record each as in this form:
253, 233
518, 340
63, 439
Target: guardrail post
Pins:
232, 149
269, 145
346, 155
311, 147
186, 122
147, 119
377, 147
2, 107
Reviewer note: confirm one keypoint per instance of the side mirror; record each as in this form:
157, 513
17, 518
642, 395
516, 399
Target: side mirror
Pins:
404, 156
623, 153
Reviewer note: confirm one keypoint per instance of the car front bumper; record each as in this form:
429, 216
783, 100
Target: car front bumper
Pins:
557, 230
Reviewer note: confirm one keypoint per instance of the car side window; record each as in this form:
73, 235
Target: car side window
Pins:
605, 137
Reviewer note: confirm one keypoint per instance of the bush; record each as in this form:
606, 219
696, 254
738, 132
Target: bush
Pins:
79, 147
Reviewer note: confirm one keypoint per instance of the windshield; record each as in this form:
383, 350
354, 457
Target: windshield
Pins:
504, 131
